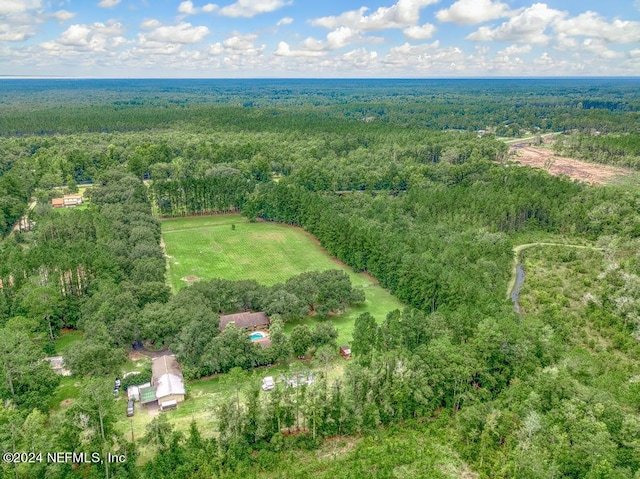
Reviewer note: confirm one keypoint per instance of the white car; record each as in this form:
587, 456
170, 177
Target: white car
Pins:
268, 383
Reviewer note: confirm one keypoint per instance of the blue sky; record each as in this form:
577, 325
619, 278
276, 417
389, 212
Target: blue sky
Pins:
319, 38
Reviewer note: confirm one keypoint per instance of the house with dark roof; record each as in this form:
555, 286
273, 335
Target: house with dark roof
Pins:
247, 320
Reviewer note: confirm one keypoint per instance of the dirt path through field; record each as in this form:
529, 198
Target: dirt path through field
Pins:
540, 157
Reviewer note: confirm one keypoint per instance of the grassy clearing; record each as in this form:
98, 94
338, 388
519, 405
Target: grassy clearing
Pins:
517, 251
67, 391
68, 338
208, 247
628, 180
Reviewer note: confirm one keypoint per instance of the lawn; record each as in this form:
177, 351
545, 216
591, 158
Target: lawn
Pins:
231, 247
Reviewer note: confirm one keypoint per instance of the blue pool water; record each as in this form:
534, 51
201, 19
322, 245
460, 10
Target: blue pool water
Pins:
257, 335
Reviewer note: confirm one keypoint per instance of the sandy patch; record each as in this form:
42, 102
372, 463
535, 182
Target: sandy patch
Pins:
136, 356
556, 165
189, 279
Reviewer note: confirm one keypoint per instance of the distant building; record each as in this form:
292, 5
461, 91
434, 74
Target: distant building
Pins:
67, 201
72, 200
246, 320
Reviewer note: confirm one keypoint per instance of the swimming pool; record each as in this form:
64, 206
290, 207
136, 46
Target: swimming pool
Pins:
257, 335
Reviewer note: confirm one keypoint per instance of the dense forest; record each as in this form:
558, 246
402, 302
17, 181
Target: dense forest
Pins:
407, 181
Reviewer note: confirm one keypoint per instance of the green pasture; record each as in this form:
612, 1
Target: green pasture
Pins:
210, 247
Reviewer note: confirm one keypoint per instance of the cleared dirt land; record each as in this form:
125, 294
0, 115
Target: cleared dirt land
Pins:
540, 157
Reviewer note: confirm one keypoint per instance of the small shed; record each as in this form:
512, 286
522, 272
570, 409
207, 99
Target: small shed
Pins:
345, 351
147, 395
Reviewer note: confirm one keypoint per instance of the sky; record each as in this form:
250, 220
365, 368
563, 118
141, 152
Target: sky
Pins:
319, 38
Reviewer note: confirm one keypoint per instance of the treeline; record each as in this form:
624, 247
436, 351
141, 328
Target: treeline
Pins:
442, 243
16, 186
505, 106
92, 269
613, 149
213, 194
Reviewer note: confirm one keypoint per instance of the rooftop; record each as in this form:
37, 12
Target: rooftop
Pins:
244, 320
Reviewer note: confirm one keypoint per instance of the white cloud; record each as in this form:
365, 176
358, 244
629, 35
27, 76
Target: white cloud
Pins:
591, 24
13, 33
150, 23
75, 35
360, 58
285, 21
63, 15
339, 38
181, 33
528, 26
108, 3
147, 47
251, 8
20, 20
237, 45
599, 48
515, 50
336, 39
18, 6
403, 14
284, 50
473, 11
243, 43
423, 32
187, 8
427, 57
407, 49
96, 37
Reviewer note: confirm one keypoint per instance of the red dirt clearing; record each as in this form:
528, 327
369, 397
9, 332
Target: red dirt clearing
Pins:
556, 165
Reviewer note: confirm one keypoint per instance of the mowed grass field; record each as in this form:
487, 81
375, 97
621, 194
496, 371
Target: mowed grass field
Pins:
210, 247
